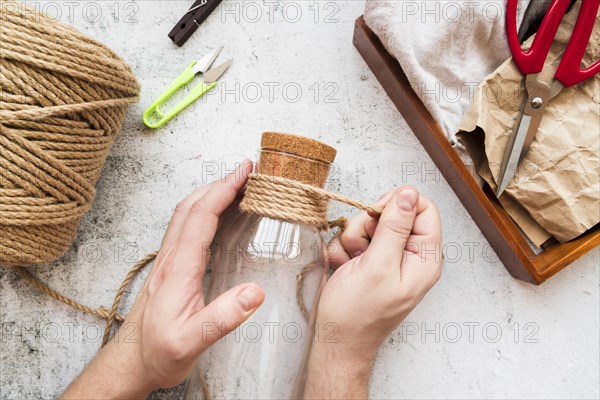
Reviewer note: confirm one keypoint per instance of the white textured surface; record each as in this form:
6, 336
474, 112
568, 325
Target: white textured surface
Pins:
149, 171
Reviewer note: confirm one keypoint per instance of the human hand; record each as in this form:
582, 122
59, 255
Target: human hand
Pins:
383, 269
169, 314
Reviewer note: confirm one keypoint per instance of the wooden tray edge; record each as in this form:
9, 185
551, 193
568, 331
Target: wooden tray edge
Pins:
496, 225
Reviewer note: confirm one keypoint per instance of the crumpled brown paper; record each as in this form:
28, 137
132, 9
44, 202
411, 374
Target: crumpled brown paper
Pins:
557, 185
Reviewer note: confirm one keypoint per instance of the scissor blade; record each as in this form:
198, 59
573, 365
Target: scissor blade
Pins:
205, 62
512, 155
214, 74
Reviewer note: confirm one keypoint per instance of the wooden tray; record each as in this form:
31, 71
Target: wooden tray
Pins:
497, 226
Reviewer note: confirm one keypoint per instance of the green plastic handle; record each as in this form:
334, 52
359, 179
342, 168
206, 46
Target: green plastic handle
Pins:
154, 118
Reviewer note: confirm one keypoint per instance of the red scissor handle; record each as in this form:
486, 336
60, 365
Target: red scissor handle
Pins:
532, 61
569, 71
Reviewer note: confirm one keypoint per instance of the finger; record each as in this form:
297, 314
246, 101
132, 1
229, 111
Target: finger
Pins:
199, 228
232, 212
223, 315
369, 227
355, 239
183, 207
394, 228
424, 248
426, 234
336, 254
170, 237
422, 264
180, 213
427, 222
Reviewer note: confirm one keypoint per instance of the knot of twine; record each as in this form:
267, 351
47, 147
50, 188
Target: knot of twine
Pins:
63, 99
293, 201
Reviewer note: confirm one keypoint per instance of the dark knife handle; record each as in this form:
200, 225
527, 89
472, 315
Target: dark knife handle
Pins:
188, 24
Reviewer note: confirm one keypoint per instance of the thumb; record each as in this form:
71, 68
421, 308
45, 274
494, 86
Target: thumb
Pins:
224, 314
393, 229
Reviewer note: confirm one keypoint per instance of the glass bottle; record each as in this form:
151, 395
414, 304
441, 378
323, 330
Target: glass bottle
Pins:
264, 358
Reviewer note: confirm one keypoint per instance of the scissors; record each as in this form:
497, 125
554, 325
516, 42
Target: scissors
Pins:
155, 118
531, 63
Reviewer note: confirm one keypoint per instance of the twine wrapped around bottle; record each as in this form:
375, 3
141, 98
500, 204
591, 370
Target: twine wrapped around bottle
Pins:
289, 200
288, 185
64, 97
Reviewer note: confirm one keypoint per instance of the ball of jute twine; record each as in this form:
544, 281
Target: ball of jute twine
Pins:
64, 97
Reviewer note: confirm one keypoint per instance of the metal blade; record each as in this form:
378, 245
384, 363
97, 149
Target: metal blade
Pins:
555, 88
202, 4
205, 62
214, 74
538, 96
512, 154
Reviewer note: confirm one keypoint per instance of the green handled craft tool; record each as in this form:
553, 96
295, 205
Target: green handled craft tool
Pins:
155, 118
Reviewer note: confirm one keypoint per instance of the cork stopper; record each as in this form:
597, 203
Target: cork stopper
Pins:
295, 157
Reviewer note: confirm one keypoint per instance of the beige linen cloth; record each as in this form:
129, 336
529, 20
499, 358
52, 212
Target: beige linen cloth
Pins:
446, 48
556, 190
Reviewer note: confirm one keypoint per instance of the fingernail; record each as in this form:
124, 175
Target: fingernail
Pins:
238, 168
373, 215
245, 163
407, 199
249, 298
386, 196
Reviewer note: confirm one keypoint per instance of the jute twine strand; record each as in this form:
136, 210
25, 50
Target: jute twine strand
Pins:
289, 200
99, 312
113, 315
